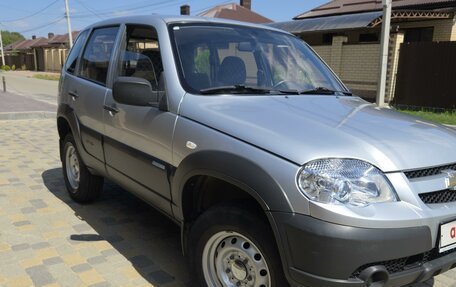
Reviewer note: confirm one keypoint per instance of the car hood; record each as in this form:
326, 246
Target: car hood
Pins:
307, 127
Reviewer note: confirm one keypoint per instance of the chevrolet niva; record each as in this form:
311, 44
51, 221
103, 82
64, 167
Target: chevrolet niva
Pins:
242, 135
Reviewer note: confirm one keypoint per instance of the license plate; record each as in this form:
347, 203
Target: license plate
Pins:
447, 236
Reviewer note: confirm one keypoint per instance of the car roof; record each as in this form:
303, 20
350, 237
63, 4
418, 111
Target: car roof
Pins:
169, 19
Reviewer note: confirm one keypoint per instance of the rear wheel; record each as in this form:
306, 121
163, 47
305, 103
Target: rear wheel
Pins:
80, 183
234, 247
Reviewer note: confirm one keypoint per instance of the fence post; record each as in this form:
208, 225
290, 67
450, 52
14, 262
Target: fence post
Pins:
4, 84
396, 40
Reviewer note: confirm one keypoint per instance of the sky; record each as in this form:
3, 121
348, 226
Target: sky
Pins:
38, 17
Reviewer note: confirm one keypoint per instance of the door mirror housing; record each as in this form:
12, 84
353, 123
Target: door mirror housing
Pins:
135, 92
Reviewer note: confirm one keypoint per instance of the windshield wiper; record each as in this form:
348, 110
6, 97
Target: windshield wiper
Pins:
240, 89
322, 91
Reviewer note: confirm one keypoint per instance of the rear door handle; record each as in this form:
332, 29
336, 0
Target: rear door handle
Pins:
74, 95
111, 109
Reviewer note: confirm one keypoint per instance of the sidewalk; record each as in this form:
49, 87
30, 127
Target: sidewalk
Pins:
49, 240
14, 106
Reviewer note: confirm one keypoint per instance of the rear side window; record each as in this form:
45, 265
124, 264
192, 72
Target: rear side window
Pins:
97, 55
72, 59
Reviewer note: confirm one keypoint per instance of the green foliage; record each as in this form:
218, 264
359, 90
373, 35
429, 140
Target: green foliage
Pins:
202, 64
23, 67
448, 117
50, 77
5, 68
13, 68
11, 37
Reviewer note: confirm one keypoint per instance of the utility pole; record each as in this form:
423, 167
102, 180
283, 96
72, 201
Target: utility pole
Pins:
1, 46
67, 15
384, 52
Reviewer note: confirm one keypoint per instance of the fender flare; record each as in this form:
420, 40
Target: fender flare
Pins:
236, 170
67, 113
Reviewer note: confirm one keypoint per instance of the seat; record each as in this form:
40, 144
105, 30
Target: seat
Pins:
145, 69
232, 71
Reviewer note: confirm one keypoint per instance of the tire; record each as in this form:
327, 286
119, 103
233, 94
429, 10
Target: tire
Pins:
229, 246
82, 186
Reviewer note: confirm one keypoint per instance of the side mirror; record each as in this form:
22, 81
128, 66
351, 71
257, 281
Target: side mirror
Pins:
134, 91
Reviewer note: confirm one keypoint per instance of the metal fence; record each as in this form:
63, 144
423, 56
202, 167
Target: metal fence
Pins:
426, 76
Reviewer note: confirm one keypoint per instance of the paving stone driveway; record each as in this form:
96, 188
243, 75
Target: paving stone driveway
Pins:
48, 240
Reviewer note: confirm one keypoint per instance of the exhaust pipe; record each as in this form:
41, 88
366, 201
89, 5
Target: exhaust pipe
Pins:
375, 276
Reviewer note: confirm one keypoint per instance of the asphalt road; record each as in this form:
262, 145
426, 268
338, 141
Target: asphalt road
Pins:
23, 84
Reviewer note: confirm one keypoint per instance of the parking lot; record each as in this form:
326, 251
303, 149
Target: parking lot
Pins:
48, 240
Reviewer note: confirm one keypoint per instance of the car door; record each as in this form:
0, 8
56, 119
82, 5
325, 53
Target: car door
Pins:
88, 89
138, 138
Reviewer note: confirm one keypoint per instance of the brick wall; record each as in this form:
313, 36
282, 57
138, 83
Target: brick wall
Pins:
444, 30
359, 66
324, 52
356, 65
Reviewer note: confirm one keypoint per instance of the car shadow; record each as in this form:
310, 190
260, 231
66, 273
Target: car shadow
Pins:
145, 237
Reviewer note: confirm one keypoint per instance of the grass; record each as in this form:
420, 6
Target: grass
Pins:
47, 77
448, 118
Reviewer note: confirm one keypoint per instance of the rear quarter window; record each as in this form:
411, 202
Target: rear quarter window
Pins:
70, 64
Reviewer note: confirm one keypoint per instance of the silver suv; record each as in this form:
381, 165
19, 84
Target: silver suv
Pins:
275, 172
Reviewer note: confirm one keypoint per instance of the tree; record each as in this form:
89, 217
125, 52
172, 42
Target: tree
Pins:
11, 37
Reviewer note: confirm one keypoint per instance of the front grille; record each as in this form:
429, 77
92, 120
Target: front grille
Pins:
442, 196
428, 171
405, 263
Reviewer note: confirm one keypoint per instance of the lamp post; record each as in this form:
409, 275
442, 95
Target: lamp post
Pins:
1, 46
386, 24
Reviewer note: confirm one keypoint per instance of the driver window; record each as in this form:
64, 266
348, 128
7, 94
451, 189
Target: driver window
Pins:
141, 56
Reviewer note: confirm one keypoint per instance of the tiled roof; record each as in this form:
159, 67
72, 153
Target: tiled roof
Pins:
62, 39
25, 44
338, 7
57, 40
234, 11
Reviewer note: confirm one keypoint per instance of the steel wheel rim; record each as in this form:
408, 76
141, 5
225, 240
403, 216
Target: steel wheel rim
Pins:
231, 259
72, 167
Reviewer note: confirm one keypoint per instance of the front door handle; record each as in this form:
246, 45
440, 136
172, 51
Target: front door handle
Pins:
111, 109
74, 95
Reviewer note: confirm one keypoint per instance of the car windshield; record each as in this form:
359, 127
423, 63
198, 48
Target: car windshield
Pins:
216, 58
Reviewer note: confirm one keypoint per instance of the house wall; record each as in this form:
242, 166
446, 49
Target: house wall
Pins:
357, 64
444, 30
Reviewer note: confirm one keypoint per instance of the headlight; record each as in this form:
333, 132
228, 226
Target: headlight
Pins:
344, 181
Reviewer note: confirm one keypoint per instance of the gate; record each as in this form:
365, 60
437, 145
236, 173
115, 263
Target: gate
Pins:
426, 75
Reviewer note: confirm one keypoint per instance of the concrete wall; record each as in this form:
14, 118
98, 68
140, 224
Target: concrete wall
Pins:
54, 59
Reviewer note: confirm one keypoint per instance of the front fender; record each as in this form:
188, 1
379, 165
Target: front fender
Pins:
233, 169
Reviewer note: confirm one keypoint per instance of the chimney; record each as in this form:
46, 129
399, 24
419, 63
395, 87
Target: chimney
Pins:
246, 4
33, 37
185, 10
50, 35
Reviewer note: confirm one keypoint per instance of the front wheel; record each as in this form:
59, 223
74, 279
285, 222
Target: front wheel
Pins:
234, 247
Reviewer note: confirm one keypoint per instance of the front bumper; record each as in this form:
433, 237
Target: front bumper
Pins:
319, 253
